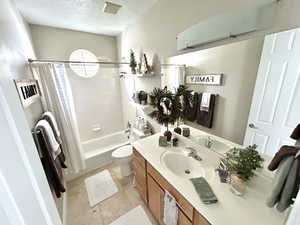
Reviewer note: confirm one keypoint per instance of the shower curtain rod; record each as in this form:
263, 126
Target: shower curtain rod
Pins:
79, 62
98, 62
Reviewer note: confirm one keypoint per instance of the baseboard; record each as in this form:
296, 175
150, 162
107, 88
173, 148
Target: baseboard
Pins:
65, 208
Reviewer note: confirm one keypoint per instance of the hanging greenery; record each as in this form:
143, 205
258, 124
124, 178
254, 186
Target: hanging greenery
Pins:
133, 63
167, 106
185, 98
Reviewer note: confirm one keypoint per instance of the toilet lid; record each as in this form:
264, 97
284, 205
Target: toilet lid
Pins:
122, 152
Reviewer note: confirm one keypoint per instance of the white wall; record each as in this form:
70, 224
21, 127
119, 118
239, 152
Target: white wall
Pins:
25, 194
239, 63
98, 99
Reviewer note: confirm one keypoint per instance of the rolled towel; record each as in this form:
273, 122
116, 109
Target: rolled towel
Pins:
53, 123
296, 133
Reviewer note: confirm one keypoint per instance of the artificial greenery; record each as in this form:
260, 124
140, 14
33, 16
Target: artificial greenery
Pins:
172, 103
133, 63
185, 98
243, 162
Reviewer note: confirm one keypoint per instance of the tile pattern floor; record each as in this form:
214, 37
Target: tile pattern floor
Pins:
80, 213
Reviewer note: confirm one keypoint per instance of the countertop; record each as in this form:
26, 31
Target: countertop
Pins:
249, 209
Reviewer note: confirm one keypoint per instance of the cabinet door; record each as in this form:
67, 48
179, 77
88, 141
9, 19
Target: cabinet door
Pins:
140, 179
199, 219
155, 199
182, 219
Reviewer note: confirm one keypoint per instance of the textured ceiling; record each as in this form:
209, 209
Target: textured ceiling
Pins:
82, 15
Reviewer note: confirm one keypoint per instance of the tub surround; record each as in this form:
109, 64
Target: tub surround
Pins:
230, 209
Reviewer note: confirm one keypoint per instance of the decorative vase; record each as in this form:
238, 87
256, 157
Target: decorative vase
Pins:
168, 134
177, 130
238, 185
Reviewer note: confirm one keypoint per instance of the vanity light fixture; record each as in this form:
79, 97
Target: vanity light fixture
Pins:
111, 8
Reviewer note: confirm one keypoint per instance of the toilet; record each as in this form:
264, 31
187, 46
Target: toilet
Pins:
122, 156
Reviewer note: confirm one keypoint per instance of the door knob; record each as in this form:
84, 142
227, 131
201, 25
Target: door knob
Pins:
251, 125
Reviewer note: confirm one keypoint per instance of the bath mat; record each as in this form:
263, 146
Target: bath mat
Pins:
136, 216
100, 187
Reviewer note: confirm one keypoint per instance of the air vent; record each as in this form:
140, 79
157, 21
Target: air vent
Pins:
111, 8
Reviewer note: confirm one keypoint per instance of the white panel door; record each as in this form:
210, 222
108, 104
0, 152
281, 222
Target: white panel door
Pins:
275, 109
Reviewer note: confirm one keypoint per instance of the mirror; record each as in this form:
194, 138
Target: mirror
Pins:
258, 99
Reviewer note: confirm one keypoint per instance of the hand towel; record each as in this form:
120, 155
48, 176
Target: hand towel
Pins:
204, 190
287, 191
296, 133
205, 118
170, 210
205, 103
55, 150
279, 180
53, 123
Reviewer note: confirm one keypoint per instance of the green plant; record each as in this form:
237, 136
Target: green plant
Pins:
243, 162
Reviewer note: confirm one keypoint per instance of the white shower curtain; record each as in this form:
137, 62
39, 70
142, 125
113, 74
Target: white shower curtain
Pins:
58, 98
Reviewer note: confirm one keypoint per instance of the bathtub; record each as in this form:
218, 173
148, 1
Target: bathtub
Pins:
98, 151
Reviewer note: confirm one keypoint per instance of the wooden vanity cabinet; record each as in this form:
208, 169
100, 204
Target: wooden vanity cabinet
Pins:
139, 169
199, 219
156, 203
156, 199
151, 186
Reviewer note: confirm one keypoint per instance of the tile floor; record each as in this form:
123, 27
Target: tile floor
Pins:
80, 213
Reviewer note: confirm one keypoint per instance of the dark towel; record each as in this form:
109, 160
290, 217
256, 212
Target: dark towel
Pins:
284, 152
206, 118
61, 156
192, 114
296, 133
52, 167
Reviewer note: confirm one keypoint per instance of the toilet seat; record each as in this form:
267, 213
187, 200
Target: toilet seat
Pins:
122, 152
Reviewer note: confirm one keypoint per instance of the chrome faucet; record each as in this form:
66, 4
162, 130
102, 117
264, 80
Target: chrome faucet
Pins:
193, 154
209, 142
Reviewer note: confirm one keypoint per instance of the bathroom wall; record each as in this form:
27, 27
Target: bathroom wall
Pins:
22, 176
238, 62
97, 99
155, 31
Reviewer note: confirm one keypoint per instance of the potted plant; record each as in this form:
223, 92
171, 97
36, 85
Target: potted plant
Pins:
242, 163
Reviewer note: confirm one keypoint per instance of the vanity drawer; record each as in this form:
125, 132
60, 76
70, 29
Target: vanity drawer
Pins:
182, 203
139, 158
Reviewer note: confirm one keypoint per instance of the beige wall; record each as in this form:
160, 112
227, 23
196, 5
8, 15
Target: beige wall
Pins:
97, 99
239, 63
155, 32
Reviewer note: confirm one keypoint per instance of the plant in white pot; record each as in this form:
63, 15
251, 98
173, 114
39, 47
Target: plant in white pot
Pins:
242, 163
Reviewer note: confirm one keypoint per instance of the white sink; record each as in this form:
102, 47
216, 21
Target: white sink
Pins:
216, 145
181, 165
